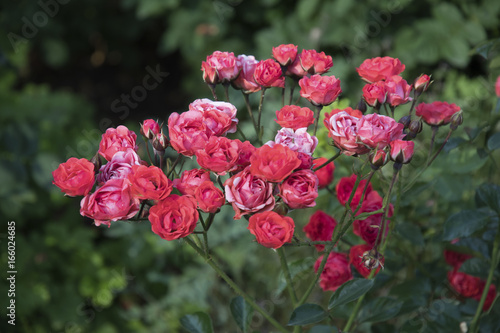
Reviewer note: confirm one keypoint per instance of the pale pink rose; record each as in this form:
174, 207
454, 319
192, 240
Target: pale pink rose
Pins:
245, 81
204, 105
119, 167
299, 141
190, 180
398, 90
111, 202
248, 193
224, 64
343, 129
117, 139
300, 189
209, 197
377, 131
220, 155
188, 132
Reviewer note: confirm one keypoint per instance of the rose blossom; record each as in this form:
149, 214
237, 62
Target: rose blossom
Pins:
369, 228
314, 62
320, 228
223, 109
375, 94
224, 64
436, 113
116, 139
190, 180
344, 189
274, 163
305, 161
149, 182
248, 193
188, 132
299, 141
294, 116
325, 174
402, 151
271, 229
245, 81
490, 297
453, 258
377, 131
111, 202
465, 284
336, 272
497, 87
74, 177
119, 167
376, 69
320, 90
246, 150
268, 74
150, 129
285, 54
398, 90
343, 129
219, 155
174, 217
300, 189
356, 254
209, 197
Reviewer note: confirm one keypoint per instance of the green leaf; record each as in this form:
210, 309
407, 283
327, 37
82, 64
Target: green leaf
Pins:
242, 312
411, 232
307, 314
489, 195
198, 322
494, 141
350, 291
476, 267
323, 329
380, 309
465, 223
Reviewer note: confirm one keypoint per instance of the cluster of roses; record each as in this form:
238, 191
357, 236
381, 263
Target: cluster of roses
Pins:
464, 284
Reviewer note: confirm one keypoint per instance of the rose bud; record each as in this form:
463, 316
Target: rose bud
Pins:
271, 229
402, 151
416, 126
320, 90
405, 120
210, 75
422, 83
285, 54
456, 120
74, 177
336, 272
150, 129
379, 158
96, 160
436, 113
325, 174
361, 106
268, 74
160, 142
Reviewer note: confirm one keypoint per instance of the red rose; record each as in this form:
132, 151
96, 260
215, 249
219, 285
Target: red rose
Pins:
376, 69
174, 217
336, 272
344, 190
453, 258
356, 254
314, 62
150, 129
465, 284
74, 177
320, 228
220, 155
436, 113
402, 151
325, 174
271, 229
246, 150
245, 81
320, 90
398, 90
188, 132
224, 64
294, 117
490, 297
248, 193
149, 182
285, 54
300, 189
497, 87
274, 164
111, 202
369, 228
219, 117
209, 197
116, 139
268, 74
120, 166
375, 94
190, 180
343, 129
377, 131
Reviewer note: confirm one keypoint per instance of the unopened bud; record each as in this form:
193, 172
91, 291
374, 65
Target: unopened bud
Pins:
456, 120
362, 106
96, 160
281, 208
372, 259
416, 126
422, 83
402, 151
160, 143
150, 129
378, 159
406, 120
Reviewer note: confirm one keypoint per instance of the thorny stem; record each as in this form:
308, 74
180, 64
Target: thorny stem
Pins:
212, 89
330, 160
226, 90
259, 133
172, 167
318, 114
249, 109
385, 206
288, 276
292, 88
440, 148
434, 132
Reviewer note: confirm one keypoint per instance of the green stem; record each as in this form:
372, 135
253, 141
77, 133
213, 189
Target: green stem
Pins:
318, 114
355, 311
226, 90
330, 160
235, 287
386, 205
249, 109
179, 157
434, 132
495, 257
292, 88
261, 103
212, 89
288, 276
440, 148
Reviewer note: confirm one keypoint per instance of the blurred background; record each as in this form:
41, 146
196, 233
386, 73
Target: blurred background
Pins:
71, 69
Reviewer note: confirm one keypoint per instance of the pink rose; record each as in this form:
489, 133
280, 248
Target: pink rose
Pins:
436, 113
299, 141
422, 83
224, 64
274, 163
320, 228
188, 132
268, 74
210, 75
248, 193
74, 177
320, 90
224, 109
119, 167
149, 182
375, 94
209, 197
190, 180
300, 189
402, 151
246, 81
150, 129
376, 69
271, 229
294, 116
111, 202
246, 150
336, 272
220, 155
314, 62
343, 129
114, 140
398, 90
377, 131
285, 54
